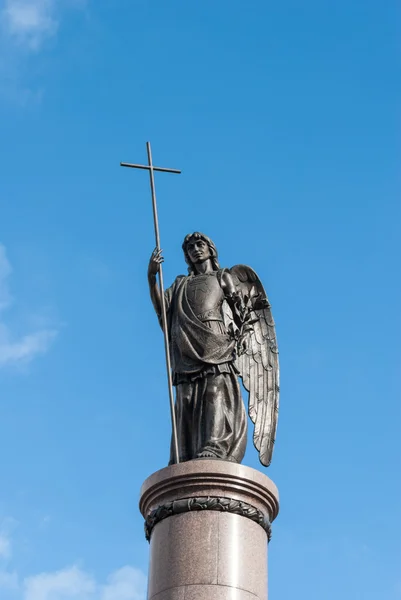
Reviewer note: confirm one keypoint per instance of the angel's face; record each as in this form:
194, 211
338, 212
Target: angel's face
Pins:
198, 251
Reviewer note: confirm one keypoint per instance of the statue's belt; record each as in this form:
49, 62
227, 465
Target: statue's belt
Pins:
213, 314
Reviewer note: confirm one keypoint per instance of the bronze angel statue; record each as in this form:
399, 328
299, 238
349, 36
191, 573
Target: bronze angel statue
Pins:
220, 327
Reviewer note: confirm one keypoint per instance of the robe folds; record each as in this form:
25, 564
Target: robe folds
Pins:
210, 413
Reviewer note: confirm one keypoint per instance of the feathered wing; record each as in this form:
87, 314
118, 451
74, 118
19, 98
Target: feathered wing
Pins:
257, 358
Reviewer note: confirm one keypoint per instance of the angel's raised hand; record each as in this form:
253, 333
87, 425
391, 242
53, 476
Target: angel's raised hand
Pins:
155, 261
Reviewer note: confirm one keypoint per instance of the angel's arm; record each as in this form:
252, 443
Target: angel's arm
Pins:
234, 300
154, 265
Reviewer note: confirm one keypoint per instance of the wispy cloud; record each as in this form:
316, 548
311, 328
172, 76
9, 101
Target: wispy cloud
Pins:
29, 23
22, 349
70, 583
73, 583
25, 348
26, 26
125, 584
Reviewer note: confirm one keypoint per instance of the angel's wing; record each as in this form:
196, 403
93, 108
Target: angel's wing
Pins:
257, 359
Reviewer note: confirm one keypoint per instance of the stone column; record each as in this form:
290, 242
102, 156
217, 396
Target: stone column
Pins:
208, 522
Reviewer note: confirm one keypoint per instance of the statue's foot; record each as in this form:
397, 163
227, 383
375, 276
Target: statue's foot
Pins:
206, 454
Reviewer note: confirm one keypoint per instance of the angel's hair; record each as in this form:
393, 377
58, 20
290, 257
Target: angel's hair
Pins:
213, 250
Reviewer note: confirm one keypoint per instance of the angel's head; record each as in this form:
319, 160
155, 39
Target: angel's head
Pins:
198, 248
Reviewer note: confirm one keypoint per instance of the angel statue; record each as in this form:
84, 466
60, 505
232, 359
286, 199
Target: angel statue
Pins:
220, 327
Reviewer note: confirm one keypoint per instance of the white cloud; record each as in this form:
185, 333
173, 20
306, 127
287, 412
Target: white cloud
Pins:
68, 584
74, 583
8, 579
30, 21
125, 584
25, 348
22, 349
25, 27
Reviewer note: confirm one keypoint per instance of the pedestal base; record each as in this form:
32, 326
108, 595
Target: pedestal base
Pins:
208, 523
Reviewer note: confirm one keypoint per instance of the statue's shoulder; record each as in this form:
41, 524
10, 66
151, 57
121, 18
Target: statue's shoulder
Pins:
223, 274
178, 280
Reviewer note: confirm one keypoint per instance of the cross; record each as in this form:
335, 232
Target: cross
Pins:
151, 168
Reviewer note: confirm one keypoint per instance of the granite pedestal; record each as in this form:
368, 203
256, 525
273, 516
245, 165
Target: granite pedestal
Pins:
208, 522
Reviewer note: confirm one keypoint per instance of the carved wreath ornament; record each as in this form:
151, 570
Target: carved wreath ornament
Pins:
184, 505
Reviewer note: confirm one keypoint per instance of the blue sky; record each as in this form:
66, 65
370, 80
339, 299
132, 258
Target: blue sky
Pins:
283, 119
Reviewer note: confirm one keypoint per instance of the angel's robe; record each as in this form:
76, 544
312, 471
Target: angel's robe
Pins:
210, 413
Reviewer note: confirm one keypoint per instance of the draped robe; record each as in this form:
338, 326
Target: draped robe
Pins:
210, 413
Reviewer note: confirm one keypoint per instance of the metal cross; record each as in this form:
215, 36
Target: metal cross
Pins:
149, 167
